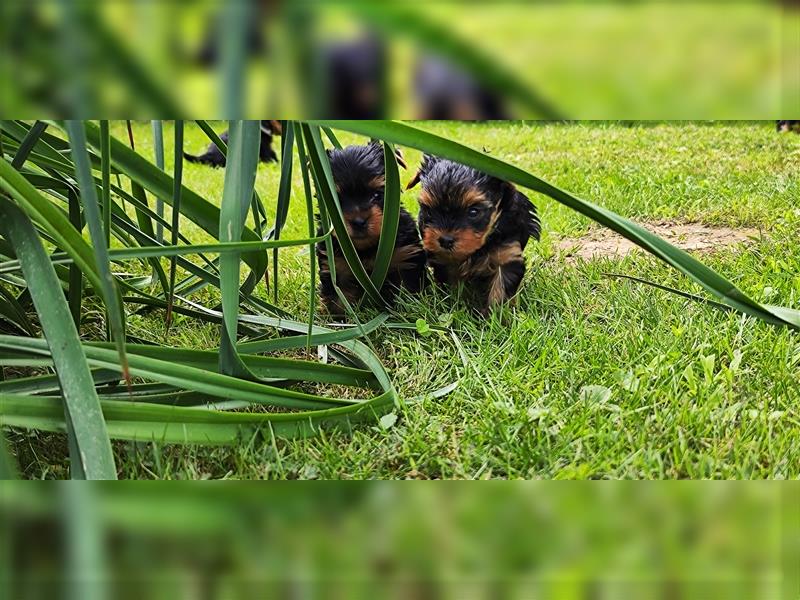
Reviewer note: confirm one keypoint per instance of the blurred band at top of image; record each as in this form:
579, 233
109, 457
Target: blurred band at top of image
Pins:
434, 60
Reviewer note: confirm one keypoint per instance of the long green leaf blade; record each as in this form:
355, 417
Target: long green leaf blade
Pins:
303, 166
158, 183
75, 291
105, 169
177, 193
158, 146
81, 403
391, 218
240, 177
53, 220
111, 295
28, 143
284, 195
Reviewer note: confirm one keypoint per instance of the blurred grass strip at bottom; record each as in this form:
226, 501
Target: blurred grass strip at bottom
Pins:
521, 539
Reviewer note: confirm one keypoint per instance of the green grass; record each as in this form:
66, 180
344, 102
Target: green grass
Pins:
684, 390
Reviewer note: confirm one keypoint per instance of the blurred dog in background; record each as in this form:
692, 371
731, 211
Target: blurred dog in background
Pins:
354, 78
443, 91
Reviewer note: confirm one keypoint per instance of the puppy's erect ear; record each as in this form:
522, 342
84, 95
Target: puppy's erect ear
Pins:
509, 192
414, 180
427, 162
398, 154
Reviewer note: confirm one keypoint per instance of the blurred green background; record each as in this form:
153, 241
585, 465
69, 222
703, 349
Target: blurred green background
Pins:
588, 60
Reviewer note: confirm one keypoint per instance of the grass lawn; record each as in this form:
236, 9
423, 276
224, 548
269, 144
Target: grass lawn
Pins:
587, 376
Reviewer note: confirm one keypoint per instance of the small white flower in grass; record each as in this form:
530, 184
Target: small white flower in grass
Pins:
388, 420
538, 413
736, 361
595, 394
505, 406
309, 472
628, 380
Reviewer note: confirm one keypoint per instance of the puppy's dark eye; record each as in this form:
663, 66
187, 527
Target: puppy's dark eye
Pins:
377, 196
473, 212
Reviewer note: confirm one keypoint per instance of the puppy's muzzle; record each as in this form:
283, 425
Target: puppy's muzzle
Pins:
358, 223
447, 242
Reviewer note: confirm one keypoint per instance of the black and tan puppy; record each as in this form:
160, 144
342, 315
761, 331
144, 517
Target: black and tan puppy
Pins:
784, 126
359, 176
474, 228
214, 157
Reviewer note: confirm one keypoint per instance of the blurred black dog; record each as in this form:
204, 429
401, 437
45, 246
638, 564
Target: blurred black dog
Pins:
443, 91
474, 228
359, 175
354, 78
214, 157
784, 126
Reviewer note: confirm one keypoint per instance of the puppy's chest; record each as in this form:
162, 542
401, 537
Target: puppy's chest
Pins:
403, 258
480, 266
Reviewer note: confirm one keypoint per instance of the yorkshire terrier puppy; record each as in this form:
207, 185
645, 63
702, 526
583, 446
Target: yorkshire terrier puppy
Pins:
359, 175
474, 228
214, 157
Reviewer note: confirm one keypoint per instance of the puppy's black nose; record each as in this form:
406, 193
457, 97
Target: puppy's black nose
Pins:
447, 242
358, 223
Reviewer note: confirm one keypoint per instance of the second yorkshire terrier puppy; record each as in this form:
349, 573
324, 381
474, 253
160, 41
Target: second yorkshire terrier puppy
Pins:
474, 228
359, 175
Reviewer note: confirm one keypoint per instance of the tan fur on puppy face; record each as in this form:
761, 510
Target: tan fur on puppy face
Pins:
471, 197
374, 218
467, 241
425, 199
